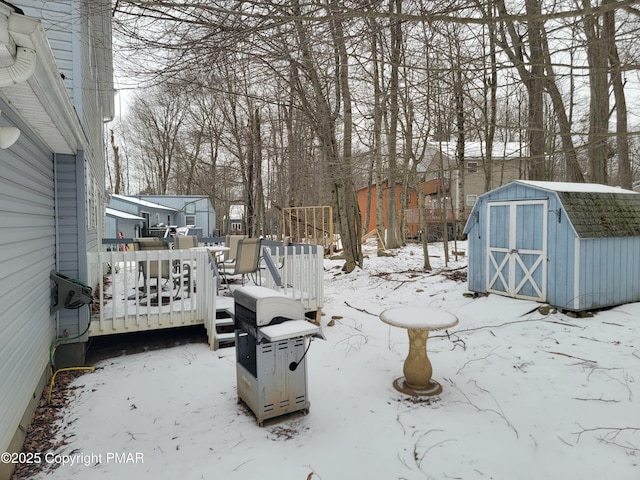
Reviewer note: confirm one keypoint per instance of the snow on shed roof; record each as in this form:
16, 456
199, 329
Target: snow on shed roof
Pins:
597, 210
123, 215
576, 187
144, 203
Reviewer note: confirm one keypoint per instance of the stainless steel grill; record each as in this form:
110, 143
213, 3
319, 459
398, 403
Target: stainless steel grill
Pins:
272, 338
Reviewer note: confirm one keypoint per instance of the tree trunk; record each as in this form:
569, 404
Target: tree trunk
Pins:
573, 169
347, 201
491, 84
318, 109
393, 235
535, 88
460, 144
377, 134
532, 78
116, 165
622, 130
598, 99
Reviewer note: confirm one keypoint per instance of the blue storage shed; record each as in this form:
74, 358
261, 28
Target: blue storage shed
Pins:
575, 246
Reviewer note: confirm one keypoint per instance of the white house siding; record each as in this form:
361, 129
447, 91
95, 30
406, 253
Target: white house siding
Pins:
27, 255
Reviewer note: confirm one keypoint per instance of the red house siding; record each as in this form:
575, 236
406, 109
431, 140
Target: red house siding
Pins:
362, 203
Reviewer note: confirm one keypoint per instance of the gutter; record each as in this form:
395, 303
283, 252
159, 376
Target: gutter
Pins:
15, 30
20, 70
35, 64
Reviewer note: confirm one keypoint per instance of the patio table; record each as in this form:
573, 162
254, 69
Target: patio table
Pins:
418, 321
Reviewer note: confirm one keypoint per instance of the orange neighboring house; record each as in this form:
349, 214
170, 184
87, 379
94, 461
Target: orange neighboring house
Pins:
430, 188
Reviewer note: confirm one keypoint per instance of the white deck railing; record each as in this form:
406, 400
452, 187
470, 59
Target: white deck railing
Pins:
125, 299
297, 271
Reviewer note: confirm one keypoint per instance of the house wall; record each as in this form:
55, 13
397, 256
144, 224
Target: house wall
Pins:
50, 215
27, 255
124, 206
72, 238
202, 209
124, 225
80, 181
362, 203
59, 22
69, 26
503, 171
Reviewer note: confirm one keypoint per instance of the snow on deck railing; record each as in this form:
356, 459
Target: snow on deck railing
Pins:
152, 289
297, 271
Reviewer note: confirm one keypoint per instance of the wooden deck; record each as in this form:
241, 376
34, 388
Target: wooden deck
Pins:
125, 301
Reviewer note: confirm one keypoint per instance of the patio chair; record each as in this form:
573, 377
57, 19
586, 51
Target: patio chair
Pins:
156, 269
232, 241
184, 242
228, 258
246, 262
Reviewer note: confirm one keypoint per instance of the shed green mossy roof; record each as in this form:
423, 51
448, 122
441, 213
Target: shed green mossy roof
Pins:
596, 215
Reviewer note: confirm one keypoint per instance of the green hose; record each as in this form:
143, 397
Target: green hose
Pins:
55, 343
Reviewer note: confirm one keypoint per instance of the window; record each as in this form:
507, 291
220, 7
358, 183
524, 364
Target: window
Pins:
472, 167
471, 200
190, 219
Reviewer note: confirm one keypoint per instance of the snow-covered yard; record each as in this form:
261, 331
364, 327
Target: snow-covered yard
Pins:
526, 396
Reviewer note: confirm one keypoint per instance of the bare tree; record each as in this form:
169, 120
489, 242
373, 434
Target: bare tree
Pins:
322, 115
254, 200
117, 168
156, 119
395, 27
324, 73
597, 58
622, 130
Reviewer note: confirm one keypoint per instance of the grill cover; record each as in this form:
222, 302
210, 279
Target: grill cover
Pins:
261, 306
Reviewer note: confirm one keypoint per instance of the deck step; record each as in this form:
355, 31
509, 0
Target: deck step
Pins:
225, 305
228, 339
224, 322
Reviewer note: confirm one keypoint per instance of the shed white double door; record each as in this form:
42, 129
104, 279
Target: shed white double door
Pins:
517, 249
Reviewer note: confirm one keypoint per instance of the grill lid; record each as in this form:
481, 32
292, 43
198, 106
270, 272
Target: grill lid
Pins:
266, 305
289, 330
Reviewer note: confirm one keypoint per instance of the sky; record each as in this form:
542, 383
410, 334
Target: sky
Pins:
526, 395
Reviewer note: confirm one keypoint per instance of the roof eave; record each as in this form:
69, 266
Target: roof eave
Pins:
42, 101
